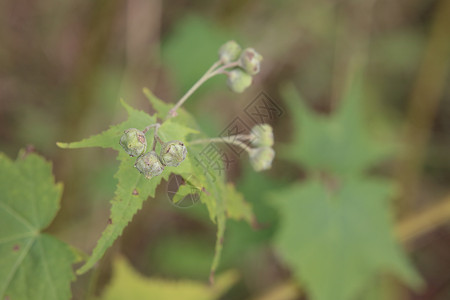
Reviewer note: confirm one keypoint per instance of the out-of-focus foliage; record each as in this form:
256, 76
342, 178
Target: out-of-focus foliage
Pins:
335, 229
338, 241
340, 143
33, 265
129, 284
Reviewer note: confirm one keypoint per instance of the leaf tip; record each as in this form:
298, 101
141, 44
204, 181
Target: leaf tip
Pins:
63, 145
146, 91
83, 269
125, 105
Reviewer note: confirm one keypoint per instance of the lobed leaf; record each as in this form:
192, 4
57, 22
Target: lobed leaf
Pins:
338, 241
339, 144
33, 265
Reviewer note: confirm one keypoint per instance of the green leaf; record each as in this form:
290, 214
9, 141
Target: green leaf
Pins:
133, 188
237, 208
129, 284
339, 144
338, 240
33, 265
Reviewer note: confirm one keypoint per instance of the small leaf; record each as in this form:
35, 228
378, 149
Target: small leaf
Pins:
129, 284
33, 265
237, 208
337, 241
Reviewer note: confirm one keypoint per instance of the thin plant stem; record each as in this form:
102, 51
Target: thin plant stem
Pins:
222, 70
150, 126
229, 140
244, 137
156, 137
213, 71
427, 93
427, 220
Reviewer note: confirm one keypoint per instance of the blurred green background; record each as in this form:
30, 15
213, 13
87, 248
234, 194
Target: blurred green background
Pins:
64, 65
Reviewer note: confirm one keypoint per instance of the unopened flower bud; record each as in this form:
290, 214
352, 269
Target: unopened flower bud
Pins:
261, 158
173, 153
238, 80
250, 61
149, 164
133, 142
229, 52
262, 135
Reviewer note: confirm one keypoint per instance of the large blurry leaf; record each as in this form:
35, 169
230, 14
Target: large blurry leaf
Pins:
338, 239
133, 188
33, 265
128, 284
339, 144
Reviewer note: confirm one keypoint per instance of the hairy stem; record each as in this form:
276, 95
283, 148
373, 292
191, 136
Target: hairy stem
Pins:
155, 135
213, 71
150, 126
229, 140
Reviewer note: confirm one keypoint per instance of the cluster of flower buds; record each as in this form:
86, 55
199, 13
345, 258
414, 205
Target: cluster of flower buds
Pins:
261, 157
246, 64
151, 164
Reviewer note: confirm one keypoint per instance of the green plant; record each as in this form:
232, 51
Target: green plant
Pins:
177, 156
35, 265
334, 228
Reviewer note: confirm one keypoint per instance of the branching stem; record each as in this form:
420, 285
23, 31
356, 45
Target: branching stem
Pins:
156, 137
229, 140
213, 71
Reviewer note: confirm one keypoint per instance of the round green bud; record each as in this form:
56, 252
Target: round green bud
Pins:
250, 61
133, 142
149, 165
262, 135
261, 158
238, 80
229, 52
173, 153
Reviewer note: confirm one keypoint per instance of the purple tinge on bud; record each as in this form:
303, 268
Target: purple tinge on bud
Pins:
261, 158
238, 80
229, 52
262, 135
149, 164
250, 61
133, 141
173, 153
